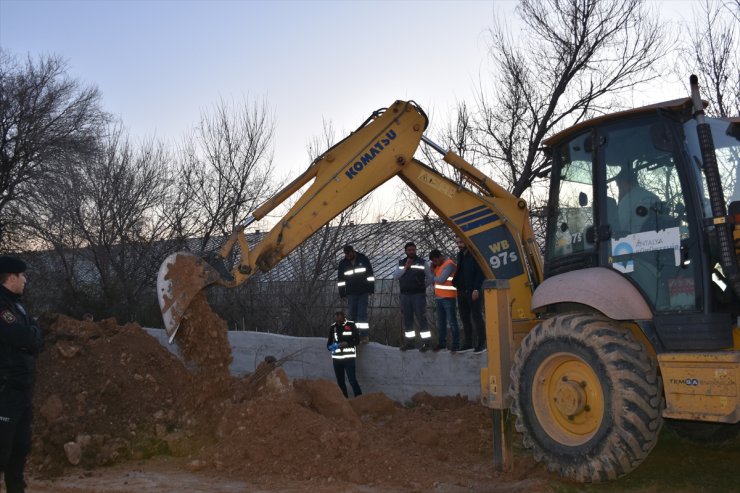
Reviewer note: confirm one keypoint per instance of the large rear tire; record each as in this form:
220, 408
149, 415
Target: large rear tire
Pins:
587, 397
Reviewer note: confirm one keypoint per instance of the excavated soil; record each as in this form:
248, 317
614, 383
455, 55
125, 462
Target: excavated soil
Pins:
107, 395
117, 412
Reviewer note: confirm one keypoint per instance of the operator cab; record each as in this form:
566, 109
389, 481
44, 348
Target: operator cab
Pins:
628, 193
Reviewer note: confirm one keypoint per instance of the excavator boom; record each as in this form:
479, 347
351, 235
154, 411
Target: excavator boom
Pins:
345, 173
493, 222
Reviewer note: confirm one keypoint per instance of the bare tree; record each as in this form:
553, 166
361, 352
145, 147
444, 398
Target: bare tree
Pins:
576, 58
318, 144
102, 216
734, 8
225, 170
711, 52
46, 118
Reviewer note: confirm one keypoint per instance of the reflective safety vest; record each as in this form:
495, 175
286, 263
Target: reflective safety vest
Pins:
445, 289
346, 332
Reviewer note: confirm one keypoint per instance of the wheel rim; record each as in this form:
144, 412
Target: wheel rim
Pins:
568, 399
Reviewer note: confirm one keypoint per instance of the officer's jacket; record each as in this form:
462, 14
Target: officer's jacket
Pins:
20, 341
346, 332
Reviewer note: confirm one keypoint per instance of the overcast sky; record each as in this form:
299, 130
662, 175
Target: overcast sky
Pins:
160, 63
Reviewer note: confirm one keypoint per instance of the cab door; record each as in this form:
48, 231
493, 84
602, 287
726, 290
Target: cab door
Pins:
650, 240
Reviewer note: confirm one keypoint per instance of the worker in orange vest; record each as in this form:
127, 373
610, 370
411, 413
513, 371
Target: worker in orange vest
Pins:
445, 296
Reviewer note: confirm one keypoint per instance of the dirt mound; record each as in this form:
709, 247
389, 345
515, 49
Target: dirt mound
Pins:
106, 393
307, 431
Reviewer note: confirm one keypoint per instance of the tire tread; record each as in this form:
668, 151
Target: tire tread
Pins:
637, 400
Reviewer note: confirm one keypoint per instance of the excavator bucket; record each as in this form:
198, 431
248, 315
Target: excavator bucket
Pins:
181, 276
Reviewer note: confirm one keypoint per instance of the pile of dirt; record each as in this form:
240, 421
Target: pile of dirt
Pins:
103, 392
307, 431
106, 393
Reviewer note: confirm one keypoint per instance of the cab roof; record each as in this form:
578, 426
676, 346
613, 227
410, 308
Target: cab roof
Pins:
674, 105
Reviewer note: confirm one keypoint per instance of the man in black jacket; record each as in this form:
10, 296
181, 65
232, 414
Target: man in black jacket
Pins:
20, 342
413, 279
469, 283
356, 282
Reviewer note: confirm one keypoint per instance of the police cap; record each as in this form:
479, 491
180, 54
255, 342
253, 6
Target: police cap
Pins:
11, 265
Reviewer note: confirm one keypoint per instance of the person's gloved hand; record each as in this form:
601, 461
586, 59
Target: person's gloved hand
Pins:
333, 347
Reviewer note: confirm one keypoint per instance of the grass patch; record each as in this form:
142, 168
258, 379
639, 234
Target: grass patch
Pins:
675, 465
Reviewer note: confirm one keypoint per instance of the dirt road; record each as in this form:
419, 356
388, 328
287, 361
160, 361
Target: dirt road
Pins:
168, 475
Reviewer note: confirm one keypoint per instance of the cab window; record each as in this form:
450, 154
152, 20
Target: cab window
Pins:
571, 200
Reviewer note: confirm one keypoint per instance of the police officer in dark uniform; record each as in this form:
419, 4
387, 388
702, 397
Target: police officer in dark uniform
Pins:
342, 343
20, 342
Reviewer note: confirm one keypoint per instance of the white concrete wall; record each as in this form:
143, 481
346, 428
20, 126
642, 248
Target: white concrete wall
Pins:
380, 368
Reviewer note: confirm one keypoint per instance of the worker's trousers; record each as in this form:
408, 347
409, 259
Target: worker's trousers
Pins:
357, 308
342, 366
445, 313
16, 411
472, 311
413, 305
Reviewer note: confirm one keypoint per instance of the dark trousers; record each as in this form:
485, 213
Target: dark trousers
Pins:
15, 436
413, 305
445, 312
357, 308
471, 316
342, 366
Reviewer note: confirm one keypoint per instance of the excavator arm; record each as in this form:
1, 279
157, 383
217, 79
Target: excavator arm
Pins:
494, 223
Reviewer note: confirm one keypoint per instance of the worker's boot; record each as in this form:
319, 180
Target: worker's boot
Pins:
409, 345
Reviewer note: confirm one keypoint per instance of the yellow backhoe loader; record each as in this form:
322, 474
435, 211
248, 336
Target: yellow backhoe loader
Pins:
631, 318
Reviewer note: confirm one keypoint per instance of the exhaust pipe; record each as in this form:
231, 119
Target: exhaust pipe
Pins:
716, 197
